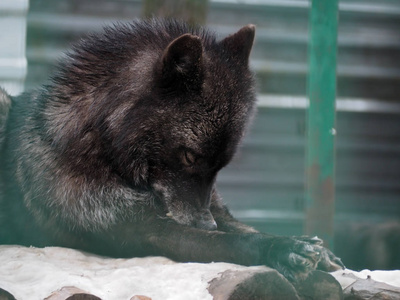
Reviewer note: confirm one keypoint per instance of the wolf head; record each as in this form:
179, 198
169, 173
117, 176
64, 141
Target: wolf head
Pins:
164, 104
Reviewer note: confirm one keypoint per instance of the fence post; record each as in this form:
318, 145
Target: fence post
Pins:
320, 160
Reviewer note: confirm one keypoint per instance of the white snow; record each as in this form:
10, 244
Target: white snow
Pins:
34, 273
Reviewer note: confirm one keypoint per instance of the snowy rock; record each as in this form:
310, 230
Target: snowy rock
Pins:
377, 285
58, 273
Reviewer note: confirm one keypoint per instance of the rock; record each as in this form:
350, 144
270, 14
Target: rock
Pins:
71, 293
4, 295
140, 297
319, 285
253, 283
355, 288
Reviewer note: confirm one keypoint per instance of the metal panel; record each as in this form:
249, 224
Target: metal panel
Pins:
12, 40
264, 185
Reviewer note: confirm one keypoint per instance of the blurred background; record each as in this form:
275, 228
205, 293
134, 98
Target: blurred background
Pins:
265, 185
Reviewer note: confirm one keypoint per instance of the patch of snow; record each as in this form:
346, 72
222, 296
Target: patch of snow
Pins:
34, 273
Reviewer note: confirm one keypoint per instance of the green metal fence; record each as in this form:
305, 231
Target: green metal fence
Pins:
321, 127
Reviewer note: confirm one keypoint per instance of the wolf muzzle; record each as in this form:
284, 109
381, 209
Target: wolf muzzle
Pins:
206, 221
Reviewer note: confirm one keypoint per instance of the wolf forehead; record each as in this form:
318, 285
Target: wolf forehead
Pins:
182, 74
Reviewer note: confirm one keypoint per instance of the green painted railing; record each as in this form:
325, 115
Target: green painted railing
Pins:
320, 160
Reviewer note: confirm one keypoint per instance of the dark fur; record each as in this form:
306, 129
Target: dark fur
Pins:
118, 155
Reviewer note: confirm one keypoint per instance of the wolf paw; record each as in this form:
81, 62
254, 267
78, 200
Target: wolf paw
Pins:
296, 257
329, 262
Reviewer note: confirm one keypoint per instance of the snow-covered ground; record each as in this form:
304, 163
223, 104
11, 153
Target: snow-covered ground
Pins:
34, 273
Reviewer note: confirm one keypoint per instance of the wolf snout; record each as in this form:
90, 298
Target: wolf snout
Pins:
206, 221
206, 225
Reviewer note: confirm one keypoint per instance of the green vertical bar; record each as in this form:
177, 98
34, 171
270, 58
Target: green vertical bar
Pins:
320, 191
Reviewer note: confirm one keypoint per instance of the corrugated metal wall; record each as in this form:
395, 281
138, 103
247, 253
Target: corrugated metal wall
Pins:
264, 185
13, 63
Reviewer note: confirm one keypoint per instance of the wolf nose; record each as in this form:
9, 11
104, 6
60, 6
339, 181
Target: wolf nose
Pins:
205, 220
206, 224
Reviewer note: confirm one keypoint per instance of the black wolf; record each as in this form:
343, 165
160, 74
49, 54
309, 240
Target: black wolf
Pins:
119, 153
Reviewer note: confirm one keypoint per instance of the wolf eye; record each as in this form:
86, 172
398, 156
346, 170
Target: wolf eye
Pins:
188, 158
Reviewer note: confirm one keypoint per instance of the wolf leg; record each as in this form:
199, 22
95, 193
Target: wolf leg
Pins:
327, 260
293, 258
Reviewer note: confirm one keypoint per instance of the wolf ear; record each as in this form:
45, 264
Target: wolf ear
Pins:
182, 64
240, 43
